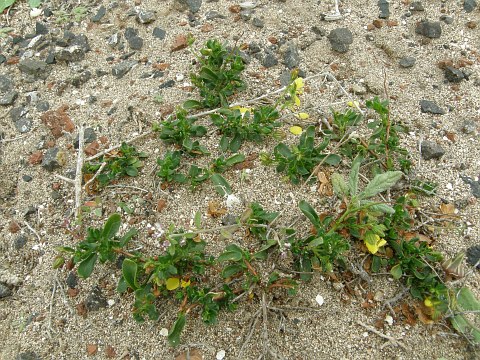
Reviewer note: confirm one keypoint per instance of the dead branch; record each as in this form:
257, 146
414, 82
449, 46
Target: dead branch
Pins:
78, 173
391, 340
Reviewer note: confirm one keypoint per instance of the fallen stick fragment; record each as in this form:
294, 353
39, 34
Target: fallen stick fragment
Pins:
391, 340
78, 173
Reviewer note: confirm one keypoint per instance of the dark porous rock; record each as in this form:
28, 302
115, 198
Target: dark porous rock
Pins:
89, 137
27, 178
192, 5
407, 62
167, 84
453, 75
254, 48
41, 28
43, 106
122, 68
135, 42
99, 15
469, 127
145, 16
340, 39
50, 161
473, 256
212, 14
159, 33
8, 98
431, 150
4, 290
20, 242
383, 6
427, 106
258, 22
269, 60
95, 300
229, 219
469, 5
17, 113
37, 68
130, 32
447, 19
23, 125
6, 83
81, 79
429, 29
82, 41
416, 6
2, 59
291, 58
474, 185
28, 355
72, 280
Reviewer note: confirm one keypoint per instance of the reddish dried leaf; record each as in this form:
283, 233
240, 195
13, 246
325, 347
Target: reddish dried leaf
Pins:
92, 148
235, 9
110, 352
58, 121
35, 158
92, 349
409, 316
82, 309
206, 28
12, 60
161, 66
161, 204
423, 313
13, 227
447, 209
72, 292
379, 324
215, 210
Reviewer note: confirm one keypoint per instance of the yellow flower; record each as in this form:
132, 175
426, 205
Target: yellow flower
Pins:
302, 116
373, 242
296, 130
428, 302
185, 284
172, 283
299, 85
242, 110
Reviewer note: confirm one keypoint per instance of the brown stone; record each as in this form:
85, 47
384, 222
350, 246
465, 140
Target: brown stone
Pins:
377, 23
58, 121
35, 158
92, 349
180, 43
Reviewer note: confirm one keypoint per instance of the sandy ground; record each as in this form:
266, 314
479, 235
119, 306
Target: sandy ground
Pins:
41, 317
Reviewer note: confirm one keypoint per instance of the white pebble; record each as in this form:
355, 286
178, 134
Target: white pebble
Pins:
220, 355
319, 299
164, 332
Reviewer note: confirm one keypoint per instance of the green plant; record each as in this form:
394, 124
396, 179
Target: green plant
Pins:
101, 244
218, 77
77, 14
300, 160
321, 250
240, 124
168, 167
465, 303
361, 215
7, 3
122, 162
220, 164
180, 131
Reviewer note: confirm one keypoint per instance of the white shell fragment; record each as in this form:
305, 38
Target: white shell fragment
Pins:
389, 320
248, 5
35, 12
319, 299
164, 332
220, 355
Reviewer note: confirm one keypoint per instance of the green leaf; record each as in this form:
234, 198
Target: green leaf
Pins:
235, 159
353, 178
85, 268
176, 330
129, 271
231, 270
221, 185
230, 256
192, 104
465, 327
380, 183
315, 242
396, 271
384, 208
5, 3
333, 159
467, 301
309, 212
131, 171
340, 187
122, 285
111, 226
208, 74
283, 150
34, 3
126, 238
198, 220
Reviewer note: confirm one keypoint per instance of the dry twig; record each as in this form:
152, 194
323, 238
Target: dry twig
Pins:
391, 340
78, 173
